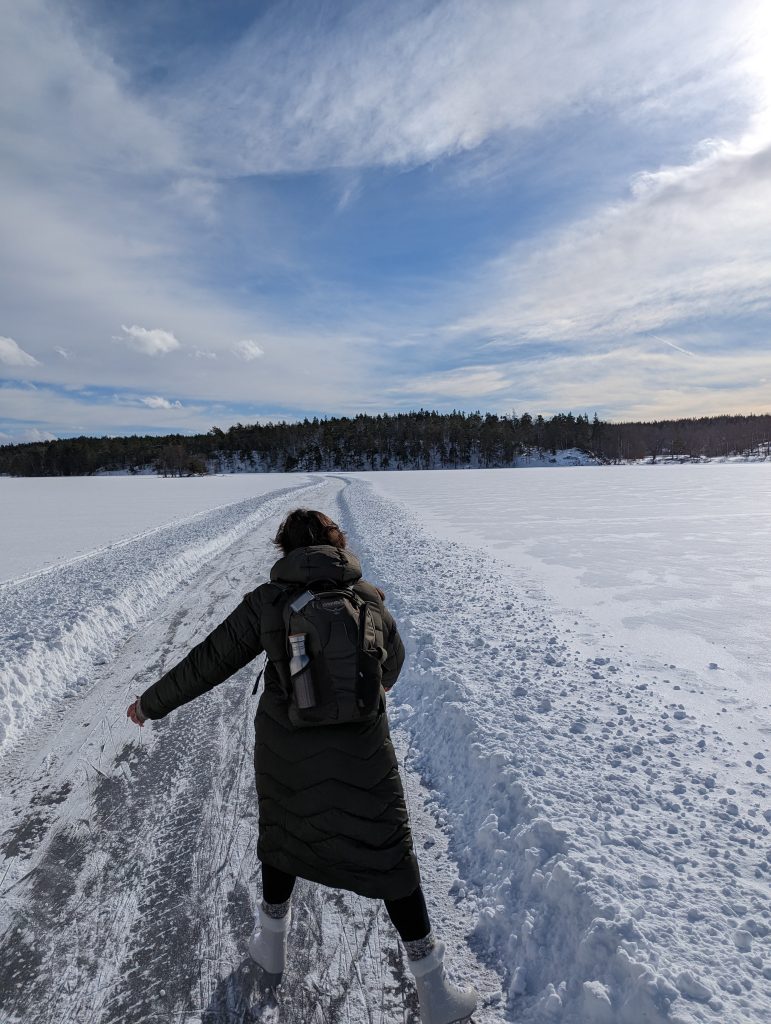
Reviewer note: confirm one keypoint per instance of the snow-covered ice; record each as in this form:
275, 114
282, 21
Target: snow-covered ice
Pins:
674, 564
593, 835
62, 621
47, 520
611, 827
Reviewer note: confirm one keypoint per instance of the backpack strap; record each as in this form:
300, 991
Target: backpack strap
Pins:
259, 677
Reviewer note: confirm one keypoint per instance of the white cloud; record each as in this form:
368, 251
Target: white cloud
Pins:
62, 352
13, 355
152, 341
157, 402
98, 202
55, 412
466, 382
644, 381
27, 434
694, 243
298, 94
34, 434
248, 350
677, 348
76, 97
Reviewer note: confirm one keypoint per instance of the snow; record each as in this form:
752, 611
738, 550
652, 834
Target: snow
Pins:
538, 458
593, 830
47, 520
61, 622
606, 833
673, 565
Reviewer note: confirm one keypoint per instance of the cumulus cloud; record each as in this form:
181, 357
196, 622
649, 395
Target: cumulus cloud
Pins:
28, 434
248, 350
157, 402
12, 354
152, 341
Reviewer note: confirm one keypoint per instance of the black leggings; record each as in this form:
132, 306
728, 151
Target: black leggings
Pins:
409, 914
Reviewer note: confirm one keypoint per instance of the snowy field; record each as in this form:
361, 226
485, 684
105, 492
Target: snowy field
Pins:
46, 521
590, 804
672, 561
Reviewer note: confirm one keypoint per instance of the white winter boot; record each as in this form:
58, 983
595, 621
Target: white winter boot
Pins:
267, 944
440, 1002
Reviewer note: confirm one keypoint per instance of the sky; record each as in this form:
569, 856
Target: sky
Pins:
221, 211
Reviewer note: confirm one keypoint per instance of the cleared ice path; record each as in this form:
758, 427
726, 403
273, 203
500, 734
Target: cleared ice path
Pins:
129, 878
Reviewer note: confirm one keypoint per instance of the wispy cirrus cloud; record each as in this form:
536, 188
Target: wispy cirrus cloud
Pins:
269, 186
474, 71
463, 382
643, 380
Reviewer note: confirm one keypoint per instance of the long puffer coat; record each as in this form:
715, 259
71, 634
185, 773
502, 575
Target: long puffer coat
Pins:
331, 802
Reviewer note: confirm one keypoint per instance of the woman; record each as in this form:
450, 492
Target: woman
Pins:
331, 802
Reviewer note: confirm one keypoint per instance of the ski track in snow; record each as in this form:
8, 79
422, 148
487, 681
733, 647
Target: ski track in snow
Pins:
616, 848
129, 881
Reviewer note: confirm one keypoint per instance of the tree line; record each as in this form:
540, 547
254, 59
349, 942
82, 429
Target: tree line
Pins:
411, 440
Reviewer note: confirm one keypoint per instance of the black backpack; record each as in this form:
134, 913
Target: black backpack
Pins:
345, 641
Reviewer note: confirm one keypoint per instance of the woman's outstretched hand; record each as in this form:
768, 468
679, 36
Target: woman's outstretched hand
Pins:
135, 713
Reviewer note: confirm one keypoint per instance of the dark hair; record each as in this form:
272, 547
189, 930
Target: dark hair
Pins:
305, 527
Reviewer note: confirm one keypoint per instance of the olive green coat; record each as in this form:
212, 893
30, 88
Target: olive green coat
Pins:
331, 801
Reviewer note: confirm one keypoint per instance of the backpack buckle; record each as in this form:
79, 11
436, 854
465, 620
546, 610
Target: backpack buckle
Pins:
300, 602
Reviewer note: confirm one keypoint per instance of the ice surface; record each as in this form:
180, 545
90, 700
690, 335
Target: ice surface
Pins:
59, 623
593, 830
612, 833
44, 520
674, 562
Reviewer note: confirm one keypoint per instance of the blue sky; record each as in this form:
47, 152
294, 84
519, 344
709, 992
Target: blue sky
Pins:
226, 211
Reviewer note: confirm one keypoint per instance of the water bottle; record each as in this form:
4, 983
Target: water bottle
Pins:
300, 671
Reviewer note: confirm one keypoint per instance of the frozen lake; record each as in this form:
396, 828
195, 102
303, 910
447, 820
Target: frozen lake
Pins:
44, 520
673, 560
581, 782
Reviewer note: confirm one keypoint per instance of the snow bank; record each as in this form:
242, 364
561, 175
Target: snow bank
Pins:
60, 625
582, 810
539, 457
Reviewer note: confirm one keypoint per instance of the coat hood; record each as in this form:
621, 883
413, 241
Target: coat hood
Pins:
318, 562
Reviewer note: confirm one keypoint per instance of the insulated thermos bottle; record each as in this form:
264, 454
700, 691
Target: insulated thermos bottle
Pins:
300, 671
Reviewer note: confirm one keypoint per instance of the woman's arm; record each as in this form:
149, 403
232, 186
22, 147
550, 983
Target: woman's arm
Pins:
224, 651
395, 649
